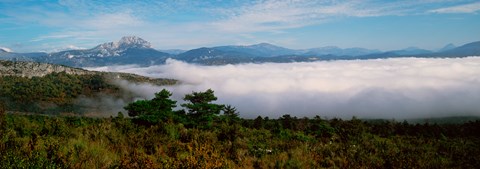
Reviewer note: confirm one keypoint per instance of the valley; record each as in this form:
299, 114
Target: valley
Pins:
249, 84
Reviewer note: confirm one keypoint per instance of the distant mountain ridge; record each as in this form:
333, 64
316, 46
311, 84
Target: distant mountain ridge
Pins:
447, 47
258, 50
128, 50
173, 51
411, 51
135, 50
469, 49
333, 50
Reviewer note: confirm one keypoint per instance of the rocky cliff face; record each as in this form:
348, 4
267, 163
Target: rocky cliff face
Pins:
34, 69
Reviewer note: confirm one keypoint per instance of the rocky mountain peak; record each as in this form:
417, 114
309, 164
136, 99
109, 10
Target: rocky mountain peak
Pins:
133, 41
115, 48
2, 50
125, 43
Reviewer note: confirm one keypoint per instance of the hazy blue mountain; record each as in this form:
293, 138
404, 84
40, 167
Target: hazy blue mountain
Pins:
410, 51
129, 50
213, 56
265, 52
447, 47
289, 58
258, 50
173, 51
407, 52
469, 49
333, 50
135, 50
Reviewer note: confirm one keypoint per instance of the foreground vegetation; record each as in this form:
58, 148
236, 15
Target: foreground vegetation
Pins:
200, 136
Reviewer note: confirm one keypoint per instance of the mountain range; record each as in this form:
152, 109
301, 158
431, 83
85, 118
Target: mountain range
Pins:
135, 50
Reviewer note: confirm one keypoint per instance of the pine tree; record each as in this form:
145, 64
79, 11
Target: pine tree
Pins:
153, 111
200, 108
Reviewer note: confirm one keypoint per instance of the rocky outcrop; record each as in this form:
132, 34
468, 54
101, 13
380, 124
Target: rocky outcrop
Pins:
34, 69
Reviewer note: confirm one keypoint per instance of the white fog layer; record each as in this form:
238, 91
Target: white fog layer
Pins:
384, 88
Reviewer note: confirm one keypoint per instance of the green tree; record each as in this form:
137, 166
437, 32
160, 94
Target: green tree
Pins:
200, 108
231, 115
258, 122
288, 122
158, 109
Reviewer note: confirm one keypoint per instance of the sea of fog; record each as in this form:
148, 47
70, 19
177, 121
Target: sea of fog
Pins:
395, 88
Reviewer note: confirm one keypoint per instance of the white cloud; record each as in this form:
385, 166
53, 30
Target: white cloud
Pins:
466, 8
57, 36
278, 15
383, 88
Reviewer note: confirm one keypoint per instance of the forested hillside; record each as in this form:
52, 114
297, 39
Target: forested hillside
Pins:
54, 92
31, 87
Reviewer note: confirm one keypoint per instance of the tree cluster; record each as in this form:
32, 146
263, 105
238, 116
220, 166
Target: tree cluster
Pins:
200, 111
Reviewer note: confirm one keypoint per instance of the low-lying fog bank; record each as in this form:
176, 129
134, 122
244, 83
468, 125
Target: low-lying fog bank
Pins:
383, 88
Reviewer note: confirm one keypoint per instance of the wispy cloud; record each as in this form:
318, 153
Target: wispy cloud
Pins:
274, 15
111, 21
187, 24
278, 15
57, 36
466, 8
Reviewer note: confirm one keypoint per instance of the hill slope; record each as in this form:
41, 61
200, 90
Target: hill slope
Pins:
45, 88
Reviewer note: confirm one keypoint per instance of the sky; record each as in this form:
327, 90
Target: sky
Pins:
49, 26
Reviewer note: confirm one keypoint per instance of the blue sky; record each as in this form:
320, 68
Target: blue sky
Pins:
49, 26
